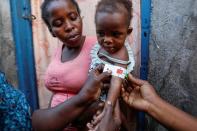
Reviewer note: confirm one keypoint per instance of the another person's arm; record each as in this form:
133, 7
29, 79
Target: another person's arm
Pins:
56, 118
144, 97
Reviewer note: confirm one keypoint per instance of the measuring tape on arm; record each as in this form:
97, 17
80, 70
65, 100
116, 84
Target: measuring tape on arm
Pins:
116, 70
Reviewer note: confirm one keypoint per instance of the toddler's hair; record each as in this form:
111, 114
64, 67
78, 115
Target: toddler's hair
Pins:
45, 5
111, 6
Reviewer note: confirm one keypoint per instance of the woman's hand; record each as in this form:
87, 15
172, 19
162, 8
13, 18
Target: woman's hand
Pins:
141, 94
93, 85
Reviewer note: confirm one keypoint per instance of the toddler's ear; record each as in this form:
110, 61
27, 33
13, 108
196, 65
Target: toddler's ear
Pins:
129, 30
52, 33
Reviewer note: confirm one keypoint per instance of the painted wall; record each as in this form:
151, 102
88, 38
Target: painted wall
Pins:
7, 47
173, 54
45, 44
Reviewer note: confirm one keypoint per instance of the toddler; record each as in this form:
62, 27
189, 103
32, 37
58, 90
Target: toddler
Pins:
112, 21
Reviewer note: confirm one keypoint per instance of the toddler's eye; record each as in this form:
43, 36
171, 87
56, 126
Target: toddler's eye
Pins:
73, 16
116, 34
100, 33
57, 23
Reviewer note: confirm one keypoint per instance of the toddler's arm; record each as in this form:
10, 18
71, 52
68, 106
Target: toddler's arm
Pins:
114, 90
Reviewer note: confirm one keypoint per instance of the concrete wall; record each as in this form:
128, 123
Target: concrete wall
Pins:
7, 48
173, 53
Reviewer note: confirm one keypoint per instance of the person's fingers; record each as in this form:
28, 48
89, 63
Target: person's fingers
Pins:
99, 68
137, 88
90, 126
98, 112
96, 128
129, 89
137, 81
100, 105
95, 122
124, 92
125, 95
92, 121
98, 118
131, 97
125, 98
125, 83
103, 75
95, 118
97, 107
92, 130
126, 87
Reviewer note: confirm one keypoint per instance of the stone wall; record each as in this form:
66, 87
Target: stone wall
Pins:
7, 47
173, 54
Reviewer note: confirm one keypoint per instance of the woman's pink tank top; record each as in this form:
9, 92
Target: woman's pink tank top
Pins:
66, 79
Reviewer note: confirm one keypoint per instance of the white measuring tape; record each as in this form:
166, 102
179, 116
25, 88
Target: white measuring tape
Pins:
116, 70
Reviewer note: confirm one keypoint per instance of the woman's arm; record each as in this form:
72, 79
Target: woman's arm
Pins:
57, 117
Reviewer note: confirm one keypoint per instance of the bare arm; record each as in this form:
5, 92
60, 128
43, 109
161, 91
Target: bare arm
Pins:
144, 97
171, 116
56, 118
114, 90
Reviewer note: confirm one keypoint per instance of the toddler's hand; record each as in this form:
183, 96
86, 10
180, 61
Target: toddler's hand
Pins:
87, 115
109, 119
